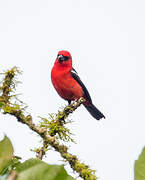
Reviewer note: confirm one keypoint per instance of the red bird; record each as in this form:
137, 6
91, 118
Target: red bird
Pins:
68, 84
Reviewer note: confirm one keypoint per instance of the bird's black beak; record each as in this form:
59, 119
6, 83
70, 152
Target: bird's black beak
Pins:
60, 58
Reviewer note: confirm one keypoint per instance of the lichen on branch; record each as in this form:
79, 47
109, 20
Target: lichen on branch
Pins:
49, 130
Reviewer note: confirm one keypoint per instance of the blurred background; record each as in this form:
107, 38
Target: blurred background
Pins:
107, 42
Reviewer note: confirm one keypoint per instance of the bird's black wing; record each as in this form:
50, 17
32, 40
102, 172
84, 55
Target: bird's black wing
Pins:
77, 78
90, 107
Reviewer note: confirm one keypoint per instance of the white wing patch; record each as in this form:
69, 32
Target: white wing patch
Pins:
74, 72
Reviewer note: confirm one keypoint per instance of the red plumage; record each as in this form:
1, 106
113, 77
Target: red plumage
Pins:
68, 84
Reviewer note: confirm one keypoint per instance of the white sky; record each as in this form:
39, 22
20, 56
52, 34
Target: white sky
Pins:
107, 42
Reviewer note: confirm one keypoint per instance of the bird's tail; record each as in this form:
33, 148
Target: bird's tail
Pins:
94, 111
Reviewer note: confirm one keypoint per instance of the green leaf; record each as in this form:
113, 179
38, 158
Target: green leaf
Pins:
35, 169
6, 152
140, 166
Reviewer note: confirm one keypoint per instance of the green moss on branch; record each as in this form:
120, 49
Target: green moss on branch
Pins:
48, 130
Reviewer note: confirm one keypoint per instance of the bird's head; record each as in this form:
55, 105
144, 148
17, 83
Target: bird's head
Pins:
64, 58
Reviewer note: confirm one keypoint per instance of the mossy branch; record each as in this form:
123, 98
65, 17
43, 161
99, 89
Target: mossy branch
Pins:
47, 134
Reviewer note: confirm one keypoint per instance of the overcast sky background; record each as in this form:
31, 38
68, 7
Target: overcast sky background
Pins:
107, 43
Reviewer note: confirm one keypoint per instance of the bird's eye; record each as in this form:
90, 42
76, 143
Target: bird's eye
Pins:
66, 58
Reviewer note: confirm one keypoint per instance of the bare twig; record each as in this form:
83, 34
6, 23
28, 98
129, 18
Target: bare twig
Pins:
13, 175
39, 154
42, 151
